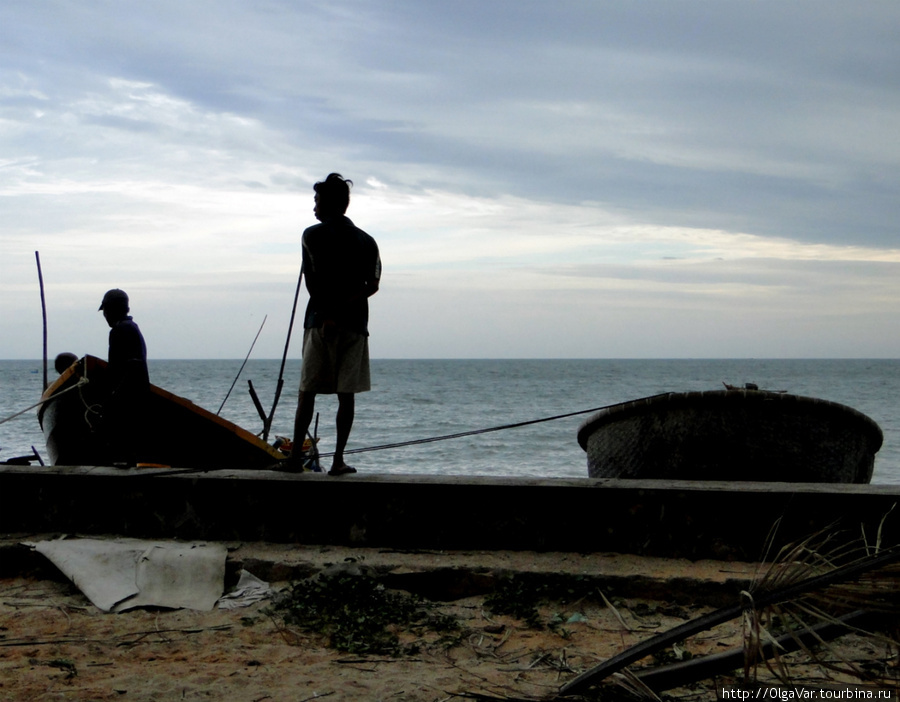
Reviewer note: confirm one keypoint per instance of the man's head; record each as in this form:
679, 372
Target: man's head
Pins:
332, 196
114, 306
63, 361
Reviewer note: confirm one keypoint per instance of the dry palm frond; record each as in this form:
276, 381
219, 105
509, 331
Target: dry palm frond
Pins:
874, 592
812, 556
795, 606
633, 685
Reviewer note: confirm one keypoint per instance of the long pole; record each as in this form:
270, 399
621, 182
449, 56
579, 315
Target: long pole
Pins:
37, 256
287, 344
233, 382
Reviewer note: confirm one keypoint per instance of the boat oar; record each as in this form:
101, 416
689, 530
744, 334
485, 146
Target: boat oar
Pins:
257, 403
242, 365
287, 343
268, 420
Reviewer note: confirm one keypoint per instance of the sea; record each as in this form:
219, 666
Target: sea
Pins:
417, 402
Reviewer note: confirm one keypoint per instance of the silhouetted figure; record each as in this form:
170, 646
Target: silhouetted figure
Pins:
342, 268
63, 360
128, 379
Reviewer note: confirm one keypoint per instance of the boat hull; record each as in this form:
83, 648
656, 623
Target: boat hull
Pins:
172, 430
743, 435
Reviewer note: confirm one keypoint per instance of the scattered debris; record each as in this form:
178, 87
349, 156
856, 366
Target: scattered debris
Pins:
357, 613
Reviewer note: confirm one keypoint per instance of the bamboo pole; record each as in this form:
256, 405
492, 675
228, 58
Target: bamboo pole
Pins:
37, 256
228, 394
287, 343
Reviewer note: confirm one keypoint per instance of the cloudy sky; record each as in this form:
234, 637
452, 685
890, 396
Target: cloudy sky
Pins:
545, 179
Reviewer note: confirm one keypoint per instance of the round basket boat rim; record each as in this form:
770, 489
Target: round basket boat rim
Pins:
625, 410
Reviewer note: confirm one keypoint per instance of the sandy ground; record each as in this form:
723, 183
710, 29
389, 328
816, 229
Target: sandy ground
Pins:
55, 645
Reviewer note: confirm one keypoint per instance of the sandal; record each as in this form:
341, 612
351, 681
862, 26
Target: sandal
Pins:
342, 470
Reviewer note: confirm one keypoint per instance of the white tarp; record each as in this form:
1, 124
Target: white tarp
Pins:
121, 574
249, 590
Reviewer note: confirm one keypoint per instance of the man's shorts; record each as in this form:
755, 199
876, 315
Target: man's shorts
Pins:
336, 362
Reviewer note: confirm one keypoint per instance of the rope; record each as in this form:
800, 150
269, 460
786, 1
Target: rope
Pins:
414, 442
428, 440
82, 381
472, 432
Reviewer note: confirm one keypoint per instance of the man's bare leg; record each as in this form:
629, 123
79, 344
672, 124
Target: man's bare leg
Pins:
306, 405
344, 420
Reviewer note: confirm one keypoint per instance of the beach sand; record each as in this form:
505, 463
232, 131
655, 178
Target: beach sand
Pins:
55, 645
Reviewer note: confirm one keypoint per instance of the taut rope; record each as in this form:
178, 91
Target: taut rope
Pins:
79, 384
472, 432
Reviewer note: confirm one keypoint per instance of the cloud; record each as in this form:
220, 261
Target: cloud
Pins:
644, 169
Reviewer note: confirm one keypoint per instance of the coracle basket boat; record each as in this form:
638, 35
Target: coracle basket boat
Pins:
733, 434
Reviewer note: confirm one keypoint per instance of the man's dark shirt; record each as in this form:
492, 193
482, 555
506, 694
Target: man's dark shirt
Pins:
127, 357
340, 263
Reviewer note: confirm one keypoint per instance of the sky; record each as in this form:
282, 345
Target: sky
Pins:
654, 179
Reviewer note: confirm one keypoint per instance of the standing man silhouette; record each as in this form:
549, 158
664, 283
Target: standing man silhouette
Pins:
342, 267
128, 379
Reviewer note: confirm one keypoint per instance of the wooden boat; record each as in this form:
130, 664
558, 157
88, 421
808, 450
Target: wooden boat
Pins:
173, 431
732, 434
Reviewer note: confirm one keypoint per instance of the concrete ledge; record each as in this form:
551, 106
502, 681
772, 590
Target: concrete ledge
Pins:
695, 520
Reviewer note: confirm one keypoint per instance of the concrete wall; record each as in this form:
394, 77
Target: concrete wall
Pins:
662, 518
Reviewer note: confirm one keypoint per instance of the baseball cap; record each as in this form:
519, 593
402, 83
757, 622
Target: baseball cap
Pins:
113, 297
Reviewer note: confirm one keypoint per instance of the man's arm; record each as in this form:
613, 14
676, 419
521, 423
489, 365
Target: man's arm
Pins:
374, 282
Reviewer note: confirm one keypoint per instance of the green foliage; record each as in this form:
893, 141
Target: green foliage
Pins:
517, 598
357, 614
